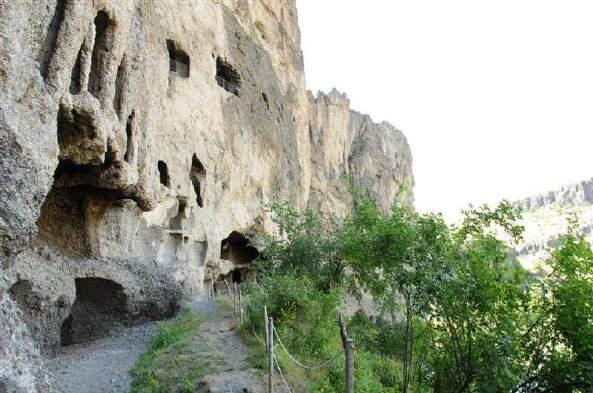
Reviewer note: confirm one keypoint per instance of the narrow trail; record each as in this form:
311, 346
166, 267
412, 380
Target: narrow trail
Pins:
101, 366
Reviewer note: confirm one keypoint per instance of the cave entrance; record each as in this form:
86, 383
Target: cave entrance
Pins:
164, 174
240, 275
227, 77
100, 306
238, 249
178, 60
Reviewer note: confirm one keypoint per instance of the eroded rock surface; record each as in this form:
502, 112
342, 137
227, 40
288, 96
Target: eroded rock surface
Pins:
137, 140
546, 221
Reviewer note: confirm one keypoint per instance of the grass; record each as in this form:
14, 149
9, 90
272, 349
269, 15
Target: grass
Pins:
175, 361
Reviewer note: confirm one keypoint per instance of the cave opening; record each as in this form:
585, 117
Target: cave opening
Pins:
238, 249
178, 60
197, 174
100, 306
227, 77
164, 174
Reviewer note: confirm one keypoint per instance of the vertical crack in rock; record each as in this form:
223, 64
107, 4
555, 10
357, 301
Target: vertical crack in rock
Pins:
75, 86
130, 153
48, 46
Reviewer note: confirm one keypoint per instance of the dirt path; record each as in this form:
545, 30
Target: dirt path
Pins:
217, 336
101, 366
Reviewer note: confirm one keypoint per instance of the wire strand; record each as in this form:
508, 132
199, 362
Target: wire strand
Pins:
280, 372
321, 365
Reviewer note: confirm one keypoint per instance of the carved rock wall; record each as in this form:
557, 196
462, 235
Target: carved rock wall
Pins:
140, 140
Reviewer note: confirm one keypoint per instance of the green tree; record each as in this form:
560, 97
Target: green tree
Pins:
561, 335
307, 243
399, 258
476, 314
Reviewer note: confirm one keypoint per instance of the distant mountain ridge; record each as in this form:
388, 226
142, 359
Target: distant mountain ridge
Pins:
578, 194
545, 217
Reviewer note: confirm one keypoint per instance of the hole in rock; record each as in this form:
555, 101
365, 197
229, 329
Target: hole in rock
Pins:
197, 174
129, 156
176, 222
120, 79
164, 174
104, 35
178, 60
227, 77
264, 97
100, 305
66, 331
61, 222
237, 248
23, 295
32, 304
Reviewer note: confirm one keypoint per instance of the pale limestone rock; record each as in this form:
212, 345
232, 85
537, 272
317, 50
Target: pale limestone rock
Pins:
123, 183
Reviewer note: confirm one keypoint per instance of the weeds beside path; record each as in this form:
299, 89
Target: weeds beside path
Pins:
197, 351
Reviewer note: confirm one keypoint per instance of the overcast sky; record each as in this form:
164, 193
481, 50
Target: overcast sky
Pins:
495, 97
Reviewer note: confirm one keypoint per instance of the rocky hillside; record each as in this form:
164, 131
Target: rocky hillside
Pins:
545, 220
140, 142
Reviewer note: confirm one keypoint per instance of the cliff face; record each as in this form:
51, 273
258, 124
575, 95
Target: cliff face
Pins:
346, 144
140, 141
545, 220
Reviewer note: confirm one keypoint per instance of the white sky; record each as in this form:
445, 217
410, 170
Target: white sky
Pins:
495, 97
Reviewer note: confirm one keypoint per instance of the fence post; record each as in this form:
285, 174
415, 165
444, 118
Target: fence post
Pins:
349, 353
240, 307
271, 355
228, 289
348, 344
212, 285
235, 298
267, 329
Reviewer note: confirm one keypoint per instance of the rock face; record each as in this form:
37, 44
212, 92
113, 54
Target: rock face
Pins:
574, 195
346, 144
140, 142
546, 221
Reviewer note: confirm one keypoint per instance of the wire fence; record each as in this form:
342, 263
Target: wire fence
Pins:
301, 365
234, 292
348, 351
